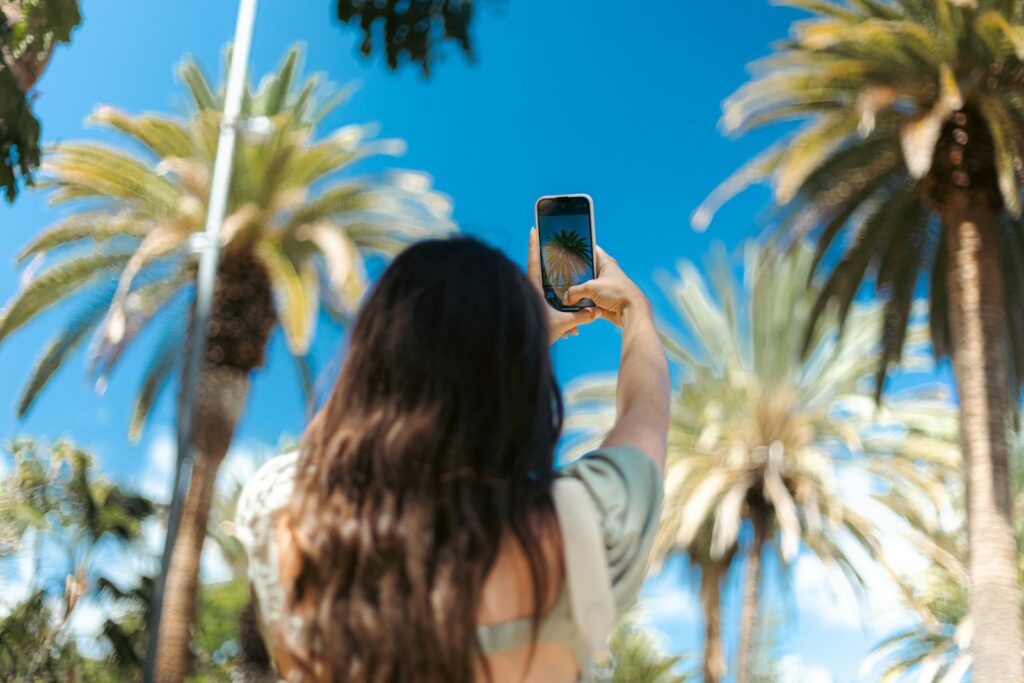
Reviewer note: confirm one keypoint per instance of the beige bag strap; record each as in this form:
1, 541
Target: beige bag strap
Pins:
586, 565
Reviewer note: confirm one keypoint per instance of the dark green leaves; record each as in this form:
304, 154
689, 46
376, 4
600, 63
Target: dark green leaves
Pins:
19, 136
412, 29
26, 46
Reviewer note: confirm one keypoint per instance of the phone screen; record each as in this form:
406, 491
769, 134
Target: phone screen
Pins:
566, 232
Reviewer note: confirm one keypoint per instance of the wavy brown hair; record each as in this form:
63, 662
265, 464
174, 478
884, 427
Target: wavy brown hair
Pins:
437, 440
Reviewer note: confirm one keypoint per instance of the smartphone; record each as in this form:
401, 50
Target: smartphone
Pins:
565, 225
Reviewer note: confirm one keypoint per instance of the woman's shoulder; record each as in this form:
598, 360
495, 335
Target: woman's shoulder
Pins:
622, 473
263, 496
625, 488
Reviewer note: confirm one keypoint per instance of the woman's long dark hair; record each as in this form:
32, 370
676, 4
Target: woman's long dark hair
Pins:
437, 440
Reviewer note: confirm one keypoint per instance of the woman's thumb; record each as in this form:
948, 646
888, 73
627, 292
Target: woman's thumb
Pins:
584, 290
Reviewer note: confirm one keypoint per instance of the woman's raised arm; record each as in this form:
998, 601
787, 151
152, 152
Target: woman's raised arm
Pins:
643, 393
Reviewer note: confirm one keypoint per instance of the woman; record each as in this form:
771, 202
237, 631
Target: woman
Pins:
422, 532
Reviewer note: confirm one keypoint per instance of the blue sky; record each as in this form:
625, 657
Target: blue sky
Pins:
619, 100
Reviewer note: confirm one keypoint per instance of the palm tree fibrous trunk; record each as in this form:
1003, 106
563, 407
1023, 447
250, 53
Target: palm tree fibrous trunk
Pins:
751, 598
241, 319
981, 364
212, 424
711, 578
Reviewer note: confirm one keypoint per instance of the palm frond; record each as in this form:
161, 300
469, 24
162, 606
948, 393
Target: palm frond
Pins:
63, 345
163, 136
346, 274
99, 226
1006, 138
158, 372
93, 171
130, 317
274, 90
56, 284
297, 294
197, 85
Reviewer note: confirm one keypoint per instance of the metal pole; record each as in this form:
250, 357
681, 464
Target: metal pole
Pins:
209, 255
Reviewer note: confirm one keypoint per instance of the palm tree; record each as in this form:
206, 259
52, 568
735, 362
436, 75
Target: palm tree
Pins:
125, 629
937, 647
637, 658
67, 513
220, 630
912, 146
43, 503
567, 260
20, 632
294, 240
758, 440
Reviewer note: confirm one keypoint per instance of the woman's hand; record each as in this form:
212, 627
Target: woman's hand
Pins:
614, 294
560, 323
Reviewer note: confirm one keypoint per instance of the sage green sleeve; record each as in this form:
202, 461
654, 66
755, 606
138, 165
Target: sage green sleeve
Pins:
626, 489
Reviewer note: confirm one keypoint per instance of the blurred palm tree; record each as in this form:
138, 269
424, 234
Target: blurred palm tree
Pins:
21, 630
637, 658
937, 647
26, 503
65, 514
125, 627
294, 240
934, 648
913, 145
218, 652
759, 440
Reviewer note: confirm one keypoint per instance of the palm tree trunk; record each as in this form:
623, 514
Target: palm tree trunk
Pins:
219, 401
711, 599
241, 319
751, 599
980, 352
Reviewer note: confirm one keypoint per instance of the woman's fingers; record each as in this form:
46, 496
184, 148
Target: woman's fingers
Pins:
574, 294
569, 322
582, 316
533, 260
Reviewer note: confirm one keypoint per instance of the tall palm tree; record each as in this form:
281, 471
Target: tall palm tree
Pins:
913, 146
937, 647
67, 513
293, 241
759, 440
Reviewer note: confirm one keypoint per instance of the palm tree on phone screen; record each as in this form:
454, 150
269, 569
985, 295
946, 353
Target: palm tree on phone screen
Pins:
567, 260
